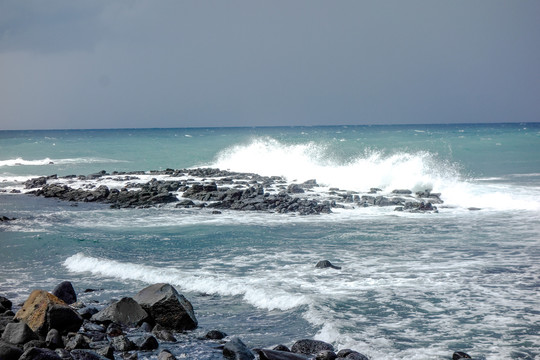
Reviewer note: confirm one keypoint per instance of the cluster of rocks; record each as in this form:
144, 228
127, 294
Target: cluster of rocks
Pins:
218, 189
54, 326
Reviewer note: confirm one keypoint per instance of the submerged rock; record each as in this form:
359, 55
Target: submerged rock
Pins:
323, 264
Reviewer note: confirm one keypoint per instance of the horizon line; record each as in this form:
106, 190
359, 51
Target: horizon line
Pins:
275, 126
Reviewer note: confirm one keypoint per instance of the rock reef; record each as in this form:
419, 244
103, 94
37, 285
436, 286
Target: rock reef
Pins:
221, 190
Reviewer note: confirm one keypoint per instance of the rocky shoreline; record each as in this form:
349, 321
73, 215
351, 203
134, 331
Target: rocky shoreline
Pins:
221, 190
54, 326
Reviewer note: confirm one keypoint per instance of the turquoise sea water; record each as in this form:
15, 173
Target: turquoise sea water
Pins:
416, 286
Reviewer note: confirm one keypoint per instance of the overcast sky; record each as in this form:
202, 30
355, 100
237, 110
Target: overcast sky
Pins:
117, 64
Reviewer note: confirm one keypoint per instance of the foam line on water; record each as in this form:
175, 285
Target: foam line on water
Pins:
251, 291
48, 161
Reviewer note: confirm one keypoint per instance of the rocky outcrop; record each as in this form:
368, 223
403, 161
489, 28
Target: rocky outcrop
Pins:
167, 307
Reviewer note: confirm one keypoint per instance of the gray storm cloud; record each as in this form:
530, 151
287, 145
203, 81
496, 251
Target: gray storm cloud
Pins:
99, 64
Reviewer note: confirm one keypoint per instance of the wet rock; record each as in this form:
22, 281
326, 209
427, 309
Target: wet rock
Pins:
163, 334
460, 355
126, 312
18, 333
166, 355
87, 312
402, 191
104, 349
122, 343
237, 350
281, 347
265, 354
324, 264
64, 291
349, 354
39, 354
63, 318
6, 303
310, 347
34, 344
295, 189
326, 355
215, 335
167, 307
64, 354
53, 340
77, 342
9, 351
146, 342
83, 354
114, 330
146, 327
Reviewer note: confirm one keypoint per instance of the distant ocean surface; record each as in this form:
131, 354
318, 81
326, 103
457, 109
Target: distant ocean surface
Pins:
412, 285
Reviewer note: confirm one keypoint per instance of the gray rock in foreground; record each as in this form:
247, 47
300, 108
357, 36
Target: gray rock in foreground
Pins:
167, 307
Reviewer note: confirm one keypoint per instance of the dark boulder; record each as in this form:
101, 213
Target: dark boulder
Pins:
114, 330
34, 344
64, 354
215, 335
83, 354
9, 351
402, 191
122, 343
460, 355
163, 334
6, 303
237, 350
166, 355
126, 312
39, 354
326, 355
18, 333
281, 347
53, 339
351, 355
323, 264
87, 312
103, 348
63, 318
65, 292
167, 307
265, 354
77, 342
146, 342
310, 347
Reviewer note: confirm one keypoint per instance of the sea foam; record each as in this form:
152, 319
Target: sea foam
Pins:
252, 292
415, 171
48, 161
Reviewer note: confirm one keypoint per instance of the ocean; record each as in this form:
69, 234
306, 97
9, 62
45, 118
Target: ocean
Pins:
411, 285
